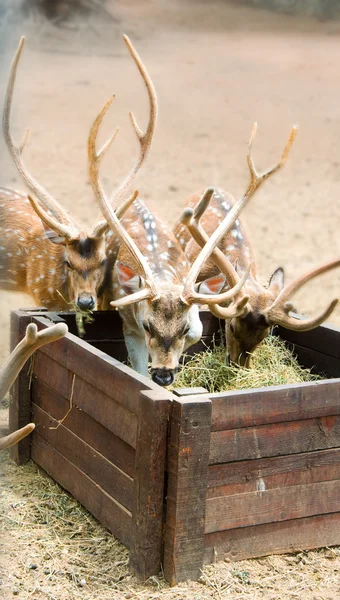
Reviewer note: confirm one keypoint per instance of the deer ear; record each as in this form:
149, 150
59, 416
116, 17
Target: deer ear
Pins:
128, 279
211, 286
52, 235
277, 280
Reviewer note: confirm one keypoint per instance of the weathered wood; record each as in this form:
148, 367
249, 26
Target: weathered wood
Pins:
189, 391
116, 380
93, 433
188, 453
52, 373
275, 440
318, 362
111, 479
269, 473
324, 339
147, 513
273, 538
260, 406
20, 394
256, 508
108, 511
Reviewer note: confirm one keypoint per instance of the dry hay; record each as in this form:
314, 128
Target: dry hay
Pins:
54, 549
273, 363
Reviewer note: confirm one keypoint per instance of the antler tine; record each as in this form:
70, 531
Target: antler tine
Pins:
60, 228
106, 208
16, 436
16, 150
191, 219
255, 182
102, 226
144, 138
278, 312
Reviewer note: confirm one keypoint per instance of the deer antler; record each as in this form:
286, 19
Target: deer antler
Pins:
278, 312
191, 219
8, 373
145, 140
64, 226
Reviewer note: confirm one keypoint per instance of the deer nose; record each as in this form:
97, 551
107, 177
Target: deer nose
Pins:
162, 376
86, 302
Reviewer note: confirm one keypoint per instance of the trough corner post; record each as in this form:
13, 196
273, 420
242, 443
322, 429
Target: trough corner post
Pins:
188, 460
147, 512
20, 394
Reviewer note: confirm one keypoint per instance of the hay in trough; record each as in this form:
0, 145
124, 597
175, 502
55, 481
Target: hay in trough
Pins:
273, 363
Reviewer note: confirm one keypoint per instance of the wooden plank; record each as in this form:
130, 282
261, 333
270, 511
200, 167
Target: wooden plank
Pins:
324, 339
111, 479
189, 391
20, 394
268, 506
102, 408
268, 473
188, 452
92, 432
107, 510
100, 370
275, 440
244, 408
147, 513
318, 362
273, 538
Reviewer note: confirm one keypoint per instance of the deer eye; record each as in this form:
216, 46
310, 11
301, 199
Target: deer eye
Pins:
231, 327
103, 262
186, 330
68, 264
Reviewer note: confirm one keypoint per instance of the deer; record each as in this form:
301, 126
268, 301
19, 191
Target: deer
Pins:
33, 340
152, 285
43, 252
267, 306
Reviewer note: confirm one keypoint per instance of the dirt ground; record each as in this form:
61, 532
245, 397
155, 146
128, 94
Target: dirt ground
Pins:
217, 68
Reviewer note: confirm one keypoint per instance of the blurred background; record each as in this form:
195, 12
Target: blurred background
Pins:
217, 66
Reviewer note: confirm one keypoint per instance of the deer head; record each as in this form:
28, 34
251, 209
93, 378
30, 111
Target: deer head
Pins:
267, 306
81, 253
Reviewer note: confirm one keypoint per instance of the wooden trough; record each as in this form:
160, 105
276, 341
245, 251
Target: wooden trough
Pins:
184, 480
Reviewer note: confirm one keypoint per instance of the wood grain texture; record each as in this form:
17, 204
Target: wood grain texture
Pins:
283, 471
273, 538
268, 506
20, 394
275, 440
188, 453
107, 510
261, 406
147, 513
88, 429
102, 472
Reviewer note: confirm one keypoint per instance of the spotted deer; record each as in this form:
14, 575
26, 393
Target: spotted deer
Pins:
266, 306
43, 252
10, 370
153, 286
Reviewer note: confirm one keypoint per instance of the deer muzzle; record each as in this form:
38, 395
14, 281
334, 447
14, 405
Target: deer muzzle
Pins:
163, 376
86, 301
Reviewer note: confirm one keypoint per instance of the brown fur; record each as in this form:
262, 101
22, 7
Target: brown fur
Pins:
31, 263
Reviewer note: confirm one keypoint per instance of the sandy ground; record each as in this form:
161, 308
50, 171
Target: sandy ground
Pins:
217, 68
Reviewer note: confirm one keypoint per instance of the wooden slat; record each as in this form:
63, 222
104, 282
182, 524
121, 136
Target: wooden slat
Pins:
97, 368
253, 475
107, 510
111, 479
20, 394
147, 514
324, 339
102, 408
275, 440
92, 432
273, 538
318, 362
188, 452
231, 410
256, 508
